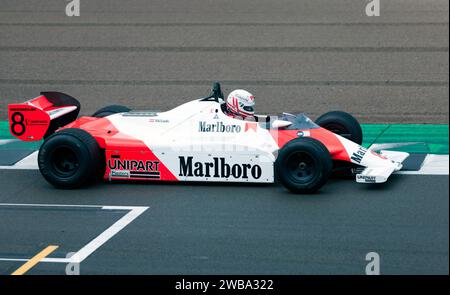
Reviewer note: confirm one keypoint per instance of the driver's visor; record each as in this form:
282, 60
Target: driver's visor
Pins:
248, 109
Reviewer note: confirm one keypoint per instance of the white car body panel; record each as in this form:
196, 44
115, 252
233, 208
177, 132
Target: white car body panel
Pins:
176, 135
199, 132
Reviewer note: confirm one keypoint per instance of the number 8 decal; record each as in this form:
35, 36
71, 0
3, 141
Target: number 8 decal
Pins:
17, 120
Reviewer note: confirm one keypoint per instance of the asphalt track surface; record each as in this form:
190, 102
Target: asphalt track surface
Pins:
311, 56
234, 229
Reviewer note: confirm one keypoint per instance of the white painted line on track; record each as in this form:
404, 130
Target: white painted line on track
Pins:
15, 259
96, 243
432, 165
60, 205
6, 141
92, 246
28, 163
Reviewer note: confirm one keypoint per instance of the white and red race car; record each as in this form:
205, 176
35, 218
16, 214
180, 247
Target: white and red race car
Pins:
196, 141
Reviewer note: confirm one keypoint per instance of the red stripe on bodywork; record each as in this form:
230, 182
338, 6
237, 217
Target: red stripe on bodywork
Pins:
333, 144
251, 126
328, 138
116, 143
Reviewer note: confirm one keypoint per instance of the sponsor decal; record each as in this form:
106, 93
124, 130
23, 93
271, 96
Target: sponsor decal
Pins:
120, 173
134, 168
23, 109
366, 178
358, 155
19, 124
220, 127
140, 114
379, 155
36, 122
158, 121
218, 168
303, 133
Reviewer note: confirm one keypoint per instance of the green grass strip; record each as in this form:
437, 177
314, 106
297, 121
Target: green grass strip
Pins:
433, 139
5, 134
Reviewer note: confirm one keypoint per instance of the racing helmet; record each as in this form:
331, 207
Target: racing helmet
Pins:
241, 103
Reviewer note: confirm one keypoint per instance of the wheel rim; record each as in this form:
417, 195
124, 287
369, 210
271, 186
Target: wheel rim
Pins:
64, 161
338, 129
301, 167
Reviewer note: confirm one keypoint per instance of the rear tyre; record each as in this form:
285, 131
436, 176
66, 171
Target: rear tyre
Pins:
303, 165
110, 110
342, 123
70, 158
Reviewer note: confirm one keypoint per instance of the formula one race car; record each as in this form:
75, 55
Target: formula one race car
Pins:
196, 141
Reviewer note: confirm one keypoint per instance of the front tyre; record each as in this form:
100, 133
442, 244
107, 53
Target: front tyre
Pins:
70, 158
342, 123
303, 165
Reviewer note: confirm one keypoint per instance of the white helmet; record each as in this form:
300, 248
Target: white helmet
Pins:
241, 102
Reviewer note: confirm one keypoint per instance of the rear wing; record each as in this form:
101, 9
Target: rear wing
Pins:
42, 116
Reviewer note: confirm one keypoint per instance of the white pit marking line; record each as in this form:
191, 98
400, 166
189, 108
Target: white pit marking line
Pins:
28, 163
92, 246
6, 141
432, 165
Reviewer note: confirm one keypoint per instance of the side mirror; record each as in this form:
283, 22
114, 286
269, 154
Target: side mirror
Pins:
280, 124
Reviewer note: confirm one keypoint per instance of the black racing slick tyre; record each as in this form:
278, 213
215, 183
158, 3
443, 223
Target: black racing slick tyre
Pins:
70, 158
110, 110
303, 165
342, 123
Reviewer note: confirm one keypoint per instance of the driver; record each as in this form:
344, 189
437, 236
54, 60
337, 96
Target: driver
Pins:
240, 104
